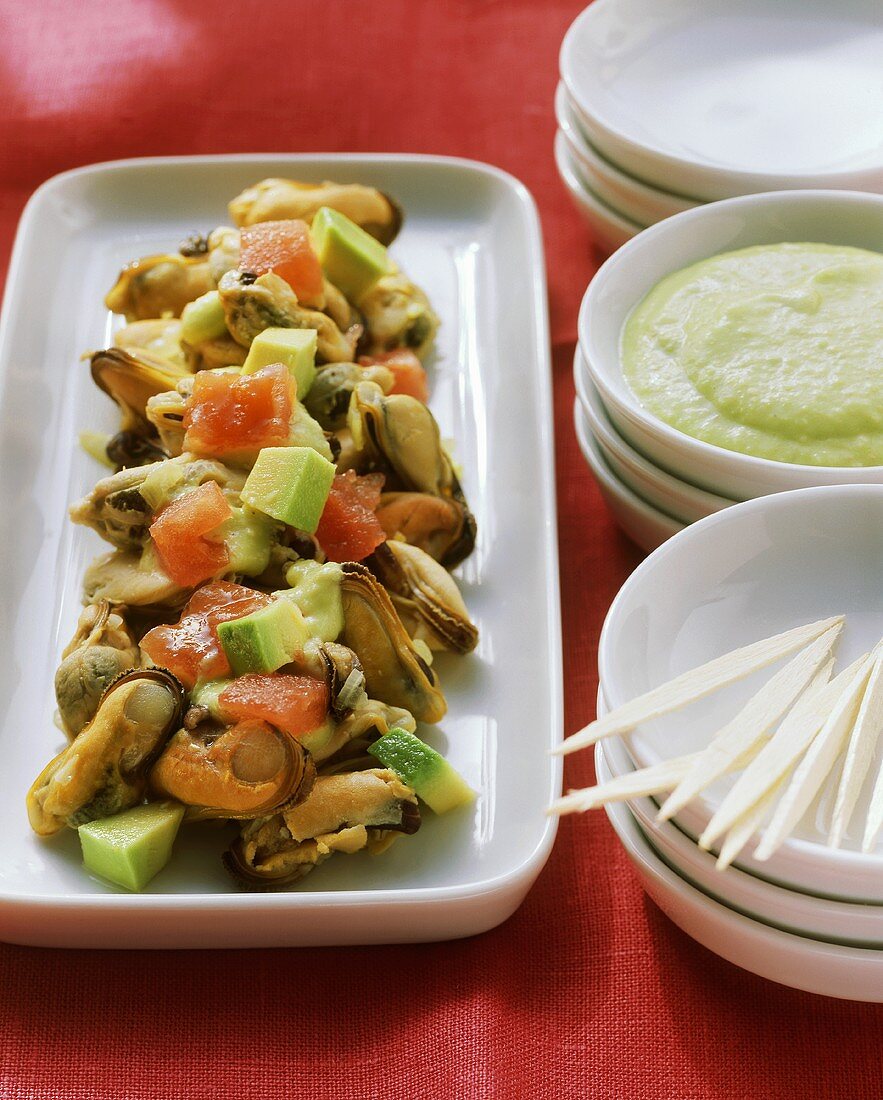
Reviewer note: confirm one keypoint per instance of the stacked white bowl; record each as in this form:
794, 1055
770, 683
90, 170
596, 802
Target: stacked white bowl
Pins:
655, 478
811, 916
664, 107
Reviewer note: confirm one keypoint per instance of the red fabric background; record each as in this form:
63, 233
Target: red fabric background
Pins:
587, 990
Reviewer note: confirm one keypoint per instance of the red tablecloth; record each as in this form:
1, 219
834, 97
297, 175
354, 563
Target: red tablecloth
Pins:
588, 990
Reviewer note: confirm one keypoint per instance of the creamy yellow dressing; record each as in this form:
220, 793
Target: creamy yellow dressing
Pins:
775, 351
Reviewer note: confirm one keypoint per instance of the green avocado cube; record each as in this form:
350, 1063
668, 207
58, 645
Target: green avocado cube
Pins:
203, 320
432, 778
351, 258
266, 639
294, 347
128, 849
290, 484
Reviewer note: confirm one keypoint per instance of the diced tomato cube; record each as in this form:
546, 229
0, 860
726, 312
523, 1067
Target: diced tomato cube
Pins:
190, 648
179, 531
286, 249
410, 376
296, 704
229, 413
348, 529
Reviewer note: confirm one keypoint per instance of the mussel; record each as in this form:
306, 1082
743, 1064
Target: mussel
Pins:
275, 199
398, 435
332, 388
441, 526
131, 377
159, 336
121, 515
252, 305
244, 771
123, 577
158, 286
104, 770
99, 651
343, 813
425, 595
397, 314
394, 669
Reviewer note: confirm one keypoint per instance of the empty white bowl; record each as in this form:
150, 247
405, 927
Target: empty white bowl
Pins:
860, 925
830, 217
749, 572
636, 200
852, 973
644, 524
609, 229
669, 494
713, 99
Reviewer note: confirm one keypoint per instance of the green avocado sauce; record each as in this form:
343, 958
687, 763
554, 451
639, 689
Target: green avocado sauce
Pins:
775, 351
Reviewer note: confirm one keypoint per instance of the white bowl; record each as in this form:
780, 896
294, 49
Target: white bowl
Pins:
713, 99
859, 925
609, 229
832, 217
644, 524
749, 572
852, 973
669, 494
638, 201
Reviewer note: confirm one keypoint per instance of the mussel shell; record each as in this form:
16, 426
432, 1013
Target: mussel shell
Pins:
394, 670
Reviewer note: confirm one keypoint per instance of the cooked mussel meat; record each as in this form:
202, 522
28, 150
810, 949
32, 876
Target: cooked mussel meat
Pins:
104, 770
159, 336
123, 577
343, 813
442, 526
244, 771
329, 397
119, 513
397, 314
252, 305
425, 595
99, 651
277, 199
158, 286
394, 669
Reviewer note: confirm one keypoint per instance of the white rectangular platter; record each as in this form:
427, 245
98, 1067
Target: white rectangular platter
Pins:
472, 240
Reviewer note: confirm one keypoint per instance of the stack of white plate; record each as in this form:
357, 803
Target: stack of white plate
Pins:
663, 107
655, 478
811, 916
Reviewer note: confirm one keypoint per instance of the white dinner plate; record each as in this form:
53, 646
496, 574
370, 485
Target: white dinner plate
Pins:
472, 240
714, 99
830, 969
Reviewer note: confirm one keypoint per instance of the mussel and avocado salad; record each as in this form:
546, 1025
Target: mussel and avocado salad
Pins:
281, 517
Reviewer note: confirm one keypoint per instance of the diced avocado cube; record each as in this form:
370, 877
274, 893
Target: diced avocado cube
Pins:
433, 779
266, 639
351, 258
248, 535
290, 484
130, 848
161, 480
295, 347
203, 320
